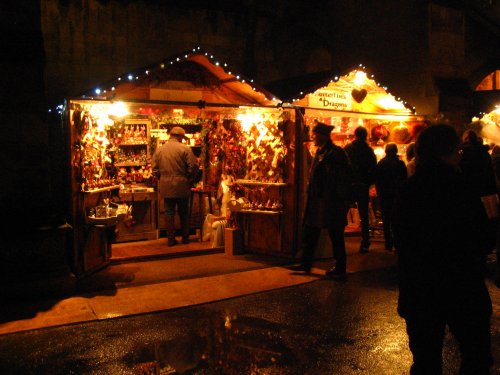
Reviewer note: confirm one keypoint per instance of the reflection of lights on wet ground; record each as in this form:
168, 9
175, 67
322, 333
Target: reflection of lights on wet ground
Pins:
168, 370
391, 342
113, 315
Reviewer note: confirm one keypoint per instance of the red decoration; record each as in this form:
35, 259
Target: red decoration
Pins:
380, 132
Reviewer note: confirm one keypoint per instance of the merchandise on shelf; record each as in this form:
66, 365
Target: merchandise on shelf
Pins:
108, 214
92, 158
250, 146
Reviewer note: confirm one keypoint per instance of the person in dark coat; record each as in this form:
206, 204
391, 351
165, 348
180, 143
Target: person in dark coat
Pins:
326, 205
438, 227
476, 165
178, 168
495, 159
363, 162
410, 159
389, 174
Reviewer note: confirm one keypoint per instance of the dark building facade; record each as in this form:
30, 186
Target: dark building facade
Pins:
432, 53
419, 49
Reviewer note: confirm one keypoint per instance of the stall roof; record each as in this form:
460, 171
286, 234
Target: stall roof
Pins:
195, 76
288, 88
354, 91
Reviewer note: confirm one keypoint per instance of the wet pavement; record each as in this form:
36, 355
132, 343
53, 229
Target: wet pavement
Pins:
322, 327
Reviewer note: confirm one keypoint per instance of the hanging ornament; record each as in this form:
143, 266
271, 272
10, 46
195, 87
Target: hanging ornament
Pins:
359, 95
401, 133
380, 132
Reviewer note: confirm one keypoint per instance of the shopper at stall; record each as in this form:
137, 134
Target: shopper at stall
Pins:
495, 159
477, 168
389, 174
178, 168
476, 165
326, 205
363, 161
411, 163
438, 227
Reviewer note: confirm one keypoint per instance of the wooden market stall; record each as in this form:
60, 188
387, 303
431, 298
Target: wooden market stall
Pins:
346, 102
356, 99
244, 140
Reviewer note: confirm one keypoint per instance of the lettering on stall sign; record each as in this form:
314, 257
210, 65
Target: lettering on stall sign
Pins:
329, 99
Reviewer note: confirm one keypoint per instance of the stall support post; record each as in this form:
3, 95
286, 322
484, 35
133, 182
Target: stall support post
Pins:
233, 241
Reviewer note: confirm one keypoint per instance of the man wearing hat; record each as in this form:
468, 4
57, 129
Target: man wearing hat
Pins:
178, 167
326, 206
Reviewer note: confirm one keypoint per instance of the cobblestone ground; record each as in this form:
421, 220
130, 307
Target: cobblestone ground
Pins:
324, 327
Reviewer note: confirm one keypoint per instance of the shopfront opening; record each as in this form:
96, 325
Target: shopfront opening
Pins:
244, 140
347, 101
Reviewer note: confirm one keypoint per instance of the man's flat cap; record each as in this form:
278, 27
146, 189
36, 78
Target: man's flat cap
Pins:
177, 130
322, 128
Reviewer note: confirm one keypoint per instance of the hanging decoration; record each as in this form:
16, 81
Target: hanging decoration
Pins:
92, 159
359, 95
401, 133
224, 150
265, 146
250, 147
355, 91
380, 132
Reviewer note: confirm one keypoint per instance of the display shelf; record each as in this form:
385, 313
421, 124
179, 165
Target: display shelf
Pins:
261, 212
137, 189
193, 127
100, 190
259, 183
131, 164
132, 144
103, 221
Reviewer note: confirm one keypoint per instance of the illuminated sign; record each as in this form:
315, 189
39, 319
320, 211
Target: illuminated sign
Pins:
328, 99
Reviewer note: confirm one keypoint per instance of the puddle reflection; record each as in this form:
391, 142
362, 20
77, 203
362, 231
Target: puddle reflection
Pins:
227, 344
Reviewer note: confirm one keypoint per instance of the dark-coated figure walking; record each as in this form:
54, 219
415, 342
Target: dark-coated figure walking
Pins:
439, 232
363, 162
326, 206
389, 174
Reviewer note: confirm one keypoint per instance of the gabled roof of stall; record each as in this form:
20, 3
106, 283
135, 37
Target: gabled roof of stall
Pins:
288, 88
195, 76
355, 90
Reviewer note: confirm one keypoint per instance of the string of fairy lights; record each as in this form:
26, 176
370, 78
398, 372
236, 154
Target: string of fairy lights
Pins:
100, 92
362, 68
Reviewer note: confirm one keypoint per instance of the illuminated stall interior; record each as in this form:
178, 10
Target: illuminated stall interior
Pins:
487, 98
346, 102
240, 135
355, 99
489, 125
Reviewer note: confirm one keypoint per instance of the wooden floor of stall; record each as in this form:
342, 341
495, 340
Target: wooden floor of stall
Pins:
144, 250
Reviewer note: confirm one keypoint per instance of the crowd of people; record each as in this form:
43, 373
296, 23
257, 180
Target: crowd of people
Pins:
440, 214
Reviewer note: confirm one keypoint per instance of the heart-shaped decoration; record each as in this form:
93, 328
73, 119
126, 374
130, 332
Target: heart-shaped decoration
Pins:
359, 95
401, 134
